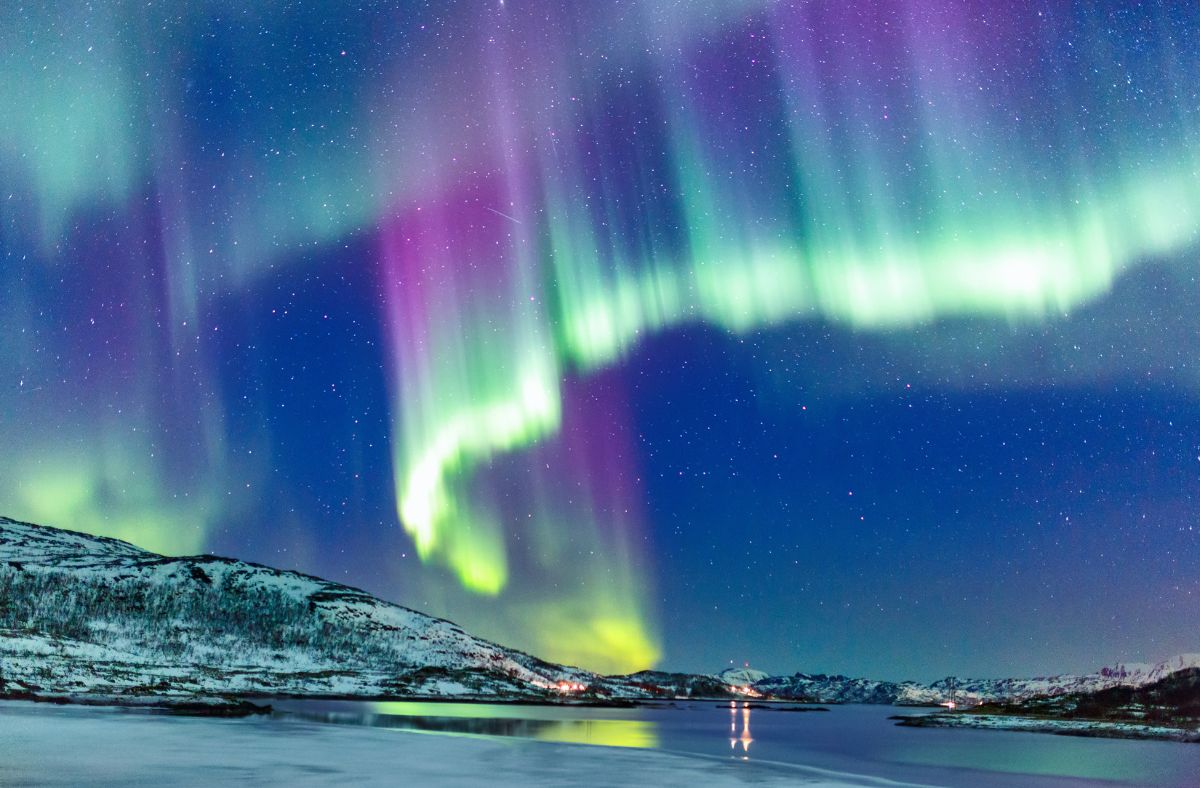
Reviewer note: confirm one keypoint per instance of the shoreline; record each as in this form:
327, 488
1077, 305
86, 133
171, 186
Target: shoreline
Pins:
111, 748
1086, 728
250, 704
192, 706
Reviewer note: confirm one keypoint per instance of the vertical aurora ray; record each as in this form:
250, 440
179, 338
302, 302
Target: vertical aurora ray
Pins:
122, 416
481, 382
583, 511
65, 135
881, 180
477, 374
570, 505
156, 164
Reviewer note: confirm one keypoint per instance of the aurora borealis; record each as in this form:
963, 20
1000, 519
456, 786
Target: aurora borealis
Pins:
627, 333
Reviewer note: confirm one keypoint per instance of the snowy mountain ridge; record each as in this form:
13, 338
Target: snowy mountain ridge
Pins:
1131, 674
741, 677
820, 688
87, 616
82, 614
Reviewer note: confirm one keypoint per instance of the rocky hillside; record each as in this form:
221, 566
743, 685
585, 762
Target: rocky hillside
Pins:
1166, 708
1171, 700
88, 616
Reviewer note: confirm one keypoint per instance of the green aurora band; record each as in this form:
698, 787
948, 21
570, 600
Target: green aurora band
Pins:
997, 227
542, 200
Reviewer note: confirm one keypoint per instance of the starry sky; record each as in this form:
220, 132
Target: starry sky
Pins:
829, 336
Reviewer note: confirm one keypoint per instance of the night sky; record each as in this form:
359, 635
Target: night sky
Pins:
844, 336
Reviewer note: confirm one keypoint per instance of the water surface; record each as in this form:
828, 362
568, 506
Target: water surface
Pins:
854, 739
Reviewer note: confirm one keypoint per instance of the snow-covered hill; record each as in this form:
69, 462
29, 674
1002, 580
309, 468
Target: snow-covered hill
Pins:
842, 689
1120, 675
742, 677
91, 617
820, 688
86, 615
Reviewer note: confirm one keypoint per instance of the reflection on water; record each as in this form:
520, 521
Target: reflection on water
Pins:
601, 726
744, 739
528, 722
850, 739
606, 733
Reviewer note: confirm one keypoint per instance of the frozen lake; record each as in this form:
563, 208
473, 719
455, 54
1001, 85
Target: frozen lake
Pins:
684, 744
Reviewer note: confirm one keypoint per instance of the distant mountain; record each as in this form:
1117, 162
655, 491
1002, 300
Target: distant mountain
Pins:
820, 688
741, 677
85, 615
1173, 699
1167, 707
660, 684
1119, 675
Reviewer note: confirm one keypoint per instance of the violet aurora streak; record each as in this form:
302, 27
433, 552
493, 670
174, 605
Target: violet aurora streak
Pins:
528, 190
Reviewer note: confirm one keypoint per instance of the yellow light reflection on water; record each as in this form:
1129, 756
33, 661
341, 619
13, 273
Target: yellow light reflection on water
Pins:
456, 710
744, 738
564, 724
602, 733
